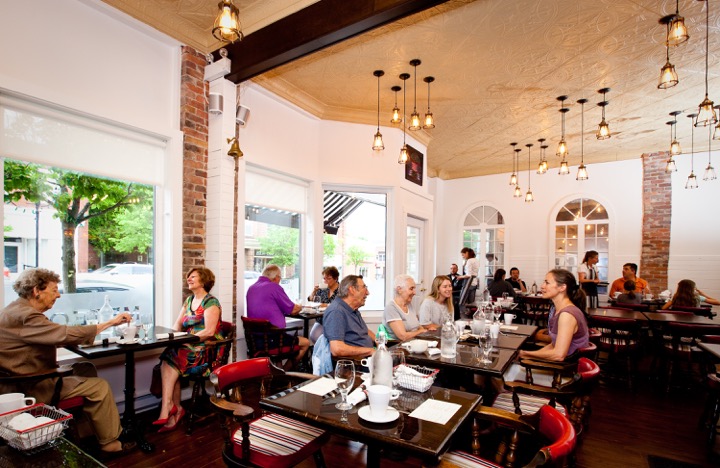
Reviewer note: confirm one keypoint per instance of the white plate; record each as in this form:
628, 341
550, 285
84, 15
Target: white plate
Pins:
391, 414
122, 341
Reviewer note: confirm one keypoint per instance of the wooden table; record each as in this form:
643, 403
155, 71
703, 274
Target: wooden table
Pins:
306, 318
129, 422
711, 348
508, 339
427, 440
687, 317
618, 313
467, 359
62, 452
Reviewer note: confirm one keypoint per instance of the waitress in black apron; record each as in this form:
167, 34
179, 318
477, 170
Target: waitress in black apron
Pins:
588, 277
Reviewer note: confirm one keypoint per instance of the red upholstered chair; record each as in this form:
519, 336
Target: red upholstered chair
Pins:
218, 353
255, 443
549, 429
264, 339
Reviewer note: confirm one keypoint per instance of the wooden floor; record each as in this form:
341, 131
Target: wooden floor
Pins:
625, 428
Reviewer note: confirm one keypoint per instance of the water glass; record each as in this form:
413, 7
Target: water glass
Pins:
486, 346
344, 377
146, 321
398, 359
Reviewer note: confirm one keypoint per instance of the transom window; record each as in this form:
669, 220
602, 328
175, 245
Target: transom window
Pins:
484, 232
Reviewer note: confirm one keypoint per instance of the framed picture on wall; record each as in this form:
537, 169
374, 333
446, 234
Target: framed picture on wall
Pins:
414, 166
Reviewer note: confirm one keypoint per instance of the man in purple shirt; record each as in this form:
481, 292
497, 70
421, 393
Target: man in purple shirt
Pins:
267, 300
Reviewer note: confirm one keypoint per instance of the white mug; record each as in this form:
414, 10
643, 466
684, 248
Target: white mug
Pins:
13, 401
508, 318
367, 362
495, 330
129, 333
379, 397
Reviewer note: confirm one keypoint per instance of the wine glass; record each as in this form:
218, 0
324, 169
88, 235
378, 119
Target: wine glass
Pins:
344, 377
398, 359
497, 312
146, 320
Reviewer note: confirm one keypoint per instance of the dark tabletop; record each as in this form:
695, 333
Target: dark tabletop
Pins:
114, 349
618, 313
408, 434
62, 453
711, 348
467, 358
680, 318
507, 339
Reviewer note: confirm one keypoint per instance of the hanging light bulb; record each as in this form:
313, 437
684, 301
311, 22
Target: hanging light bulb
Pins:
709, 170
396, 117
378, 144
402, 159
677, 31
691, 182
513, 176
706, 111
227, 25
415, 117
529, 195
517, 193
429, 121
564, 168
582, 173
542, 165
674, 143
562, 149
603, 131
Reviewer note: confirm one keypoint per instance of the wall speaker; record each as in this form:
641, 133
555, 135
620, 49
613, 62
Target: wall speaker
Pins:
242, 115
215, 103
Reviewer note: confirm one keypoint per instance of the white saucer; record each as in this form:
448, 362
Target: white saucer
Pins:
122, 341
391, 414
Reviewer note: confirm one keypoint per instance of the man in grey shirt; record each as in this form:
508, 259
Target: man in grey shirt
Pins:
345, 329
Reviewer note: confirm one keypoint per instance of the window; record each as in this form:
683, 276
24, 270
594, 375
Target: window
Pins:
72, 223
484, 232
357, 247
582, 225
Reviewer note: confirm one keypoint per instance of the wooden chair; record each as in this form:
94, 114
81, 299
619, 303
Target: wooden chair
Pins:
263, 339
537, 310
218, 354
635, 307
548, 429
467, 297
681, 348
620, 340
238, 387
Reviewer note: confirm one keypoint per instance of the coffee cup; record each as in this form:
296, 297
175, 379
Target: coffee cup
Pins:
416, 346
129, 333
508, 318
322, 285
379, 397
649, 297
367, 362
460, 326
13, 401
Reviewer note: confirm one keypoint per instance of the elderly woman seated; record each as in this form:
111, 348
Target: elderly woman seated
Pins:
28, 345
400, 318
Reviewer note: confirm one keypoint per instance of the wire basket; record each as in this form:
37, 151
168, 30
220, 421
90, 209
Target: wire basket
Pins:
416, 378
37, 435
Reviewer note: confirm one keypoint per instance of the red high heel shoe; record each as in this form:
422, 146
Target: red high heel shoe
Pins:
162, 422
178, 418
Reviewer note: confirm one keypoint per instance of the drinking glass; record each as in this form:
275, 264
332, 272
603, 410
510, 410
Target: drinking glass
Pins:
497, 312
504, 296
344, 377
398, 359
146, 320
486, 345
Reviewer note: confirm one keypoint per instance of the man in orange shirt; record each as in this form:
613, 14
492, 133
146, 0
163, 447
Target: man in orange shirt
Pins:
629, 272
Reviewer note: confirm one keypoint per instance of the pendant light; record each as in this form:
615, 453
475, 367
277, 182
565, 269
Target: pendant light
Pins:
677, 31
415, 117
582, 173
529, 195
603, 131
227, 25
706, 111
517, 193
674, 143
562, 149
709, 170
670, 163
513, 176
543, 165
429, 121
396, 117
404, 150
692, 180
668, 75
378, 141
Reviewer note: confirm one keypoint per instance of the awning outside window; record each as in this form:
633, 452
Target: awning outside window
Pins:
337, 207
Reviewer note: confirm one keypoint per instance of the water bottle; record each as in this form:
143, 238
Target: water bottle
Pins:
106, 311
382, 368
487, 297
448, 340
533, 288
478, 323
91, 317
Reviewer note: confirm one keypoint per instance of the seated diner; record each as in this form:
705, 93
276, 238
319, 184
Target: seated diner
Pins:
400, 318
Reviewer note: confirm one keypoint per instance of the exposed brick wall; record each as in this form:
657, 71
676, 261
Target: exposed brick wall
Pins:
194, 125
657, 216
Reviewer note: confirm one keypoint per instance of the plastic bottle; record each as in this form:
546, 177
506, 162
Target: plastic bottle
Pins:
478, 323
533, 288
106, 311
448, 340
486, 295
382, 362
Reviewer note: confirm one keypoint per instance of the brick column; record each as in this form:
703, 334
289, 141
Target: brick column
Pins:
657, 216
194, 125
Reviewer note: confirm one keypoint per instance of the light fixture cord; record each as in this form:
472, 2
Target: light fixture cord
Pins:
707, 43
692, 148
404, 115
528, 168
415, 91
378, 104
582, 133
428, 97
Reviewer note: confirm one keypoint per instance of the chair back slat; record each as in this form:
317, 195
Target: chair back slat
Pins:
229, 374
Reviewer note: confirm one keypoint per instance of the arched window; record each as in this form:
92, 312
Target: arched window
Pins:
484, 232
582, 225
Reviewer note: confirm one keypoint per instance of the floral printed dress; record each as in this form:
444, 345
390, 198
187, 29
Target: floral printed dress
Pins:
191, 358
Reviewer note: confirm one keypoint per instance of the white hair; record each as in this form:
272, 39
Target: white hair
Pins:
401, 282
271, 271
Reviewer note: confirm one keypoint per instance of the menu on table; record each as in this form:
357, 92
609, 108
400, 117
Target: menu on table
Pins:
436, 411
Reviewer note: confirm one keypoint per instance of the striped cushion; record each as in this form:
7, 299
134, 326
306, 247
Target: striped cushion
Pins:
279, 441
465, 460
529, 404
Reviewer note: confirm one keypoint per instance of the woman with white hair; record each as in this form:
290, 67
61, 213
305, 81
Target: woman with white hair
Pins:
400, 319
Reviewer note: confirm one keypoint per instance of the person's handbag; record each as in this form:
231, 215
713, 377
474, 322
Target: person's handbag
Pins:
156, 382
